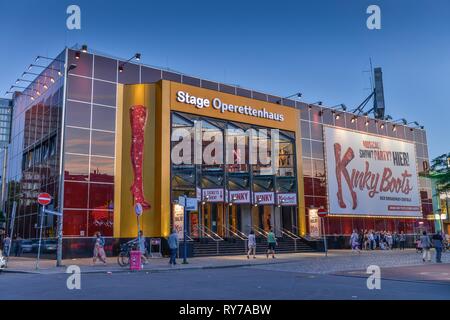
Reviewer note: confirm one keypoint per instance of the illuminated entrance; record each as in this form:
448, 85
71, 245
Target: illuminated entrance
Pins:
236, 194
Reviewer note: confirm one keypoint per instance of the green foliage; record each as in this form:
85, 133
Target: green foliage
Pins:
440, 172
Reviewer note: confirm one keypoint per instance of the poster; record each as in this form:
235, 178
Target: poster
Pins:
178, 220
314, 223
370, 175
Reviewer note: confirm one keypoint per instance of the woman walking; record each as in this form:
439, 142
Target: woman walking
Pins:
251, 245
425, 243
99, 251
354, 241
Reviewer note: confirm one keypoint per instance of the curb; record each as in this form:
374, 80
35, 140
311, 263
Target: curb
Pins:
157, 270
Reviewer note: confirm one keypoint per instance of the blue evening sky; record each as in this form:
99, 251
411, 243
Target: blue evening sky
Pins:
320, 48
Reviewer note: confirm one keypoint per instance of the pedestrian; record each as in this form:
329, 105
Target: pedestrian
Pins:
371, 240
389, 241
271, 243
173, 247
437, 243
402, 240
18, 246
425, 243
142, 246
6, 245
251, 245
99, 248
354, 238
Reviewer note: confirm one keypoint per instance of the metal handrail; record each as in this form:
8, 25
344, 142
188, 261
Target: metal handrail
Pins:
218, 238
260, 231
289, 234
234, 233
188, 238
242, 234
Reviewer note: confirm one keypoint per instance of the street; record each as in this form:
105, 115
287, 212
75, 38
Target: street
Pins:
300, 278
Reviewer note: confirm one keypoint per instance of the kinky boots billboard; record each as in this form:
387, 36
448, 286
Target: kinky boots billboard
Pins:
371, 175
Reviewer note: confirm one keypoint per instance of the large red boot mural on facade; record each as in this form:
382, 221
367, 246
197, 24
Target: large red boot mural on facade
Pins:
138, 119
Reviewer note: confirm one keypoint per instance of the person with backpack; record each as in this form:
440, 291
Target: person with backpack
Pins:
99, 251
425, 243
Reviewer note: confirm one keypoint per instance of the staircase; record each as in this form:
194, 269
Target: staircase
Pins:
231, 246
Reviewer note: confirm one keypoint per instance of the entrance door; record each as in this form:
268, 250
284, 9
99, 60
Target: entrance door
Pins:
236, 218
213, 218
262, 217
287, 218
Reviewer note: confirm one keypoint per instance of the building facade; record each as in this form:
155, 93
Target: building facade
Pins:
101, 138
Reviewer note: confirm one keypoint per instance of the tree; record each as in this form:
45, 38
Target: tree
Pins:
440, 172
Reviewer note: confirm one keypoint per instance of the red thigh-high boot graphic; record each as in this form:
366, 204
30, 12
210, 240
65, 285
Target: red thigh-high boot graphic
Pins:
341, 168
138, 118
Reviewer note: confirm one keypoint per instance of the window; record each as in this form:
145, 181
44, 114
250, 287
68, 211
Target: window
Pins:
103, 118
77, 141
103, 143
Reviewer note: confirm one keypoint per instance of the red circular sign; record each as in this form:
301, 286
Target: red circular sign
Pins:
322, 212
44, 199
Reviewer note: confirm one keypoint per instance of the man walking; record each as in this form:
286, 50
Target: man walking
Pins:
173, 246
437, 243
402, 240
6, 245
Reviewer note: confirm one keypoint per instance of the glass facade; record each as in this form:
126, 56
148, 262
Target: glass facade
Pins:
34, 151
239, 170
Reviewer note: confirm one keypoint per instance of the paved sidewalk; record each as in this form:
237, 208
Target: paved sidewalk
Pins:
337, 260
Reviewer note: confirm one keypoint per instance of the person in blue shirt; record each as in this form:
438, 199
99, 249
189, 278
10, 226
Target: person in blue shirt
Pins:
173, 246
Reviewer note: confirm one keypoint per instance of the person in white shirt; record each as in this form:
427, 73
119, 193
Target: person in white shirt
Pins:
251, 245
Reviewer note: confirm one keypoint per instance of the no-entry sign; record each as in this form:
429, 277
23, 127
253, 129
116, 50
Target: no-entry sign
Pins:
44, 199
322, 212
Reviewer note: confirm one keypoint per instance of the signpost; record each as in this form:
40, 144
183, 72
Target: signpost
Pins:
189, 204
138, 210
43, 199
322, 213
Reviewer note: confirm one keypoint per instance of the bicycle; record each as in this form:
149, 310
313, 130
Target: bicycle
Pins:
125, 250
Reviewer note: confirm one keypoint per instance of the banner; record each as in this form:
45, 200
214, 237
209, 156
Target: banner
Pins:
314, 223
287, 199
178, 220
239, 196
213, 195
263, 198
370, 175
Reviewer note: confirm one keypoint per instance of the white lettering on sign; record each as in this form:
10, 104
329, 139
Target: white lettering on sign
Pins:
263, 198
213, 195
241, 196
287, 199
200, 103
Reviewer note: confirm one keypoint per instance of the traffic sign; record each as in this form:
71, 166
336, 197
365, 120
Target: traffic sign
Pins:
44, 199
138, 209
322, 212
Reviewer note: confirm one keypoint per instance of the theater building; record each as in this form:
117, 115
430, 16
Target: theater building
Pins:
104, 134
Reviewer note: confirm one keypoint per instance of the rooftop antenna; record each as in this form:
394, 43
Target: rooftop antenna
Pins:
377, 93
